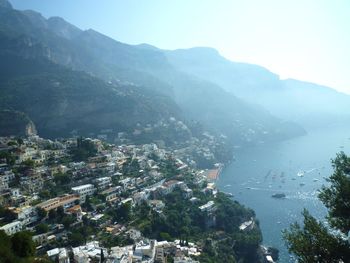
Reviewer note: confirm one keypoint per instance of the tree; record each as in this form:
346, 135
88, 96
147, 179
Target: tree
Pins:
67, 221
336, 197
52, 214
7, 215
123, 212
314, 242
41, 213
76, 239
22, 244
6, 254
42, 228
102, 256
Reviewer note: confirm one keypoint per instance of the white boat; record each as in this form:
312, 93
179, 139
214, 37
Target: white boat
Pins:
300, 173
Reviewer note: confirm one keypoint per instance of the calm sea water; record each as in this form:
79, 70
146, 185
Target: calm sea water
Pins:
261, 171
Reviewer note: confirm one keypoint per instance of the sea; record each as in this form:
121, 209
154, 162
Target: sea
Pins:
297, 167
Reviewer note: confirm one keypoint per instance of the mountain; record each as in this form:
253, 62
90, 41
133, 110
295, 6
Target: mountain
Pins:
60, 100
14, 123
5, 4
306, 103
151, 86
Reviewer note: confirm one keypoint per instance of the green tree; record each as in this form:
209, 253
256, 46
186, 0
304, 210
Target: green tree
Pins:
314, 242
41, 228
52, 214
336, 197
22, 244
41, 213
102, 256
76, 239
6, 254
67, 221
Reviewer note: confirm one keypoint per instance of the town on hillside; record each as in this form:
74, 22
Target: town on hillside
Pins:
85, 200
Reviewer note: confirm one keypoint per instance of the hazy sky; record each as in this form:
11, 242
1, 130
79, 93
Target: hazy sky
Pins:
303, 39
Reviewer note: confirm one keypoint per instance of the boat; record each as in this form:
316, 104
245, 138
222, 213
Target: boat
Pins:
281, 195
228, 185
300, 174
315, 180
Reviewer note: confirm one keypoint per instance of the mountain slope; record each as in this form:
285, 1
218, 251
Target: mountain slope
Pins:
306, 103
31, 36
60, 100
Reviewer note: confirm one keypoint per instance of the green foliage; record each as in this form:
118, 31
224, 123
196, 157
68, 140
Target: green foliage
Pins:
76, 239
183, 220
230, 214
41, 228
29, 163
336, 197
41, 213
314, 242
83, 151
62, 179
67, 220
22, 244
123, 212
10, 157
7, 215
6, 252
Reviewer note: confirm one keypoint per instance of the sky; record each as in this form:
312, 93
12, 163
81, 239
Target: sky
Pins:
302, 39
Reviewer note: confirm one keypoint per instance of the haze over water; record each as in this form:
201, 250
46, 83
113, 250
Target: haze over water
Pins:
261, 171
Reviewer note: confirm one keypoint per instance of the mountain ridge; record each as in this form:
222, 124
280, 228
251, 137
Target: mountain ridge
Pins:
116, 62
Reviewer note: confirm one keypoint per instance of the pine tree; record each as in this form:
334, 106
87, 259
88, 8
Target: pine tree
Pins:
314, 242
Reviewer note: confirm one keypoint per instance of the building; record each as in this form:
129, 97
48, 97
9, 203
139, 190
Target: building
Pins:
25, 214
12, 227
248, 225
111, 194
59, 255
83, 191
103, 182
65, 201
91, 252
184, 260
209, 209
145, 249
122, 254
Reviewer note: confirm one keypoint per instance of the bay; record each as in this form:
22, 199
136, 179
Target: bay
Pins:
296, 167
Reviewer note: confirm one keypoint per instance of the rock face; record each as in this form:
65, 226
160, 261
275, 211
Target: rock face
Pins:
30, 129
15, 123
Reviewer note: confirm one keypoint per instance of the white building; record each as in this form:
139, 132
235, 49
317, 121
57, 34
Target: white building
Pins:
91, 251
59, 255
145, 250
12, 227
83, 191
103, 182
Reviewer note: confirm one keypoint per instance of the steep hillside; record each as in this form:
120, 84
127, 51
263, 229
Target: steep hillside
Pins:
31, 36
14, 123
60, 100
306, 103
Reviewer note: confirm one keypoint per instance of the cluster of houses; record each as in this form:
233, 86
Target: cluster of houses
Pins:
28, 166
143, 251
